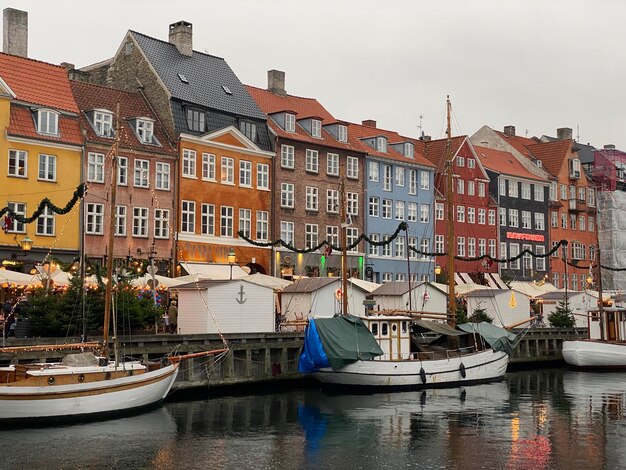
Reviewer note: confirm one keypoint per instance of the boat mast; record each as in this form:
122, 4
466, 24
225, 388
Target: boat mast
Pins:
112, 211
600, 299
450, 226
343, 242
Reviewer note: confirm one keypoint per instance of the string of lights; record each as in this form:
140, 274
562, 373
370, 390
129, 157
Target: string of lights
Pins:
78, 194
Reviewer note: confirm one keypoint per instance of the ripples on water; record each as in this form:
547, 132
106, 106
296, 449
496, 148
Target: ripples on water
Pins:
546, 419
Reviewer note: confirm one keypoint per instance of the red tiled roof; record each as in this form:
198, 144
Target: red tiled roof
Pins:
503, 162
551, 154
37, 82
519, 143
23, 125
356, 132
132, 105
271, 103
435, 150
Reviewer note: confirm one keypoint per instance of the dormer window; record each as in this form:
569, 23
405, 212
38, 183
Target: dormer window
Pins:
145, 131
381, 144
290, 122
103, 123
195, 120
47, 122
316, 128
574, 168
248, 129
342, 133
409, 149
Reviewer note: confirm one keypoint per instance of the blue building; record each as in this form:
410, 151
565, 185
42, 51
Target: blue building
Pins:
398, 187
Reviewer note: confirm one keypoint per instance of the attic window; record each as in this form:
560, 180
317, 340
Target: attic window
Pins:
342, 133
539, 163
103, 123
47, 121
290, 122
183, 78
226, 90
408, 150
316, 128
381, 144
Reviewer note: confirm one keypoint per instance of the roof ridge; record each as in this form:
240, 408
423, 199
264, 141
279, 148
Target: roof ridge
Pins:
167, 42
286, 95
96, 85
33, 60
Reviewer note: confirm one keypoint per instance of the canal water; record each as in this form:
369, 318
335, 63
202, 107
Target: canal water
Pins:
544, 419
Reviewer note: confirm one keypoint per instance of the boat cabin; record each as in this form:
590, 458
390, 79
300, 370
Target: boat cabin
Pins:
612, 327
392, 334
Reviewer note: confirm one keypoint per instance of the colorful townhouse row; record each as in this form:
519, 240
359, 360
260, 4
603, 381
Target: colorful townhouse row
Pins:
201, 156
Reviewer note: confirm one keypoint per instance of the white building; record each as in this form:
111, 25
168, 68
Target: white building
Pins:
234, 306
320, 297
424, 297
579, 302
505, 306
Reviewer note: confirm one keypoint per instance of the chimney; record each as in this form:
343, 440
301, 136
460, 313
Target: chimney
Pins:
564, 133
369, 123
509, 131
425, 138
181, 35
276, 82
15, 32
609, 146
68, 66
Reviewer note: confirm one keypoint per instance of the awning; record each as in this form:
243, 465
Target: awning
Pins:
440, 328
213, 272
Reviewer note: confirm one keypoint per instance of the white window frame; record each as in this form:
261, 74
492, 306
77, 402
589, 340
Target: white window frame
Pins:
140, 222
374, 206
145, 130
287, 195
227, 217
122, 171
312, 162
187, 216
352, 204
425, 213
95, 167
227, 171
311, 235
316, 128
332, 164
263, 176
374, 171
287, 232
47, 169
189, 163
94, 218
245, 221
400, 176
103, 123
245, 174
424, 180
207, 219
142, 173
121, 219
45, 223
162, 176
290, 122
208, 167
352, 170
312, 198
47, 122
161, 224
262, 225
287, 156
332, 201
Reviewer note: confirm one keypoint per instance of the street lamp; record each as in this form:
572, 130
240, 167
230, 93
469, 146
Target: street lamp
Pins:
232, 259
437, 270
26, 244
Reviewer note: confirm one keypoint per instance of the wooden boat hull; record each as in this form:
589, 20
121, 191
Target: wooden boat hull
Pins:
595, 354
479, 367
71, 395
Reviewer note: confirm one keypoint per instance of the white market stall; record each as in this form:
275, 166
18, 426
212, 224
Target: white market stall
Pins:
231, 306
579, 302
505, 306
425, 297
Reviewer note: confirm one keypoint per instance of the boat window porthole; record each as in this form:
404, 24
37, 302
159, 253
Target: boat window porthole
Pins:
107, 376
384, 329
81, 377
394, 327
50, 380
374, 329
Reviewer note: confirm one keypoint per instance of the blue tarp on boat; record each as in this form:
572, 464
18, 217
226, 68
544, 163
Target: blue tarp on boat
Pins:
336, 342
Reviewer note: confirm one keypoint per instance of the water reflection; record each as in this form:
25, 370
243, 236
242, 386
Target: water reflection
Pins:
546, 419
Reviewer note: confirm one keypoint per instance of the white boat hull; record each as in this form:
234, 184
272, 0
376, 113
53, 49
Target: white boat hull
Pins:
483, 366
595, 354
87, 398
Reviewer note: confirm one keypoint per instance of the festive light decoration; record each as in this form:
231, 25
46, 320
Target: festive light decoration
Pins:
78, 194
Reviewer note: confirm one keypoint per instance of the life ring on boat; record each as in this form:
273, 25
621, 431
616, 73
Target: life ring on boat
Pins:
423, 375
50, 380
81, 378
338, 294
462, 370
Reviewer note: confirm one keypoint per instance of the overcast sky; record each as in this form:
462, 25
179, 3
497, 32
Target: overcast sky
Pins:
534, 64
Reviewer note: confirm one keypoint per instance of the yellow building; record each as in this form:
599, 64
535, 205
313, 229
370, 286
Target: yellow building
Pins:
40, 157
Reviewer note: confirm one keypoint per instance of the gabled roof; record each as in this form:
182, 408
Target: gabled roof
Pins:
37, 83
357, 132
310, 284
132, 105
205, 74
551, 154
435, 150
519, 143
503, 162
272, 103
400, 288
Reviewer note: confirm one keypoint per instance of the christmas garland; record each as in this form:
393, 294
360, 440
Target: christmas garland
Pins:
326, 243
80, 192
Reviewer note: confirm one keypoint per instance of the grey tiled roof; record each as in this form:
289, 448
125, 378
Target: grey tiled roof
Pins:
205, 73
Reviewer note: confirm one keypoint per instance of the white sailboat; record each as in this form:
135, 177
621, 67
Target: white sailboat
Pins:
84, 384
400, 359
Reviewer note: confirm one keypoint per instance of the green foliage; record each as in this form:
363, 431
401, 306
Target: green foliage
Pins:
562, 317
60, 313
461, 313
480, 315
